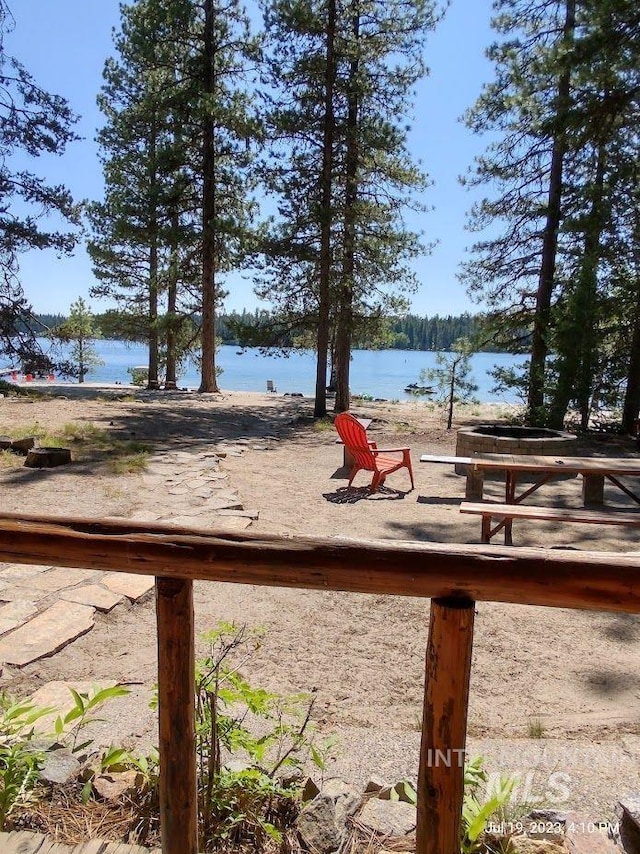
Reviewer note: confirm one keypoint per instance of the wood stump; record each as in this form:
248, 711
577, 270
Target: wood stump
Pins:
23, 446
38, 458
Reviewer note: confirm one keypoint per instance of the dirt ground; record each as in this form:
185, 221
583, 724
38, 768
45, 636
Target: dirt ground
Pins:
572, 676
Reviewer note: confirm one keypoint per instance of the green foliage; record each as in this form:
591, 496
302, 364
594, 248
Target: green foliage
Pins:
451, 377
34, 125
79, 331
262, 732
20, 759
68, 726
476, 813
139, 376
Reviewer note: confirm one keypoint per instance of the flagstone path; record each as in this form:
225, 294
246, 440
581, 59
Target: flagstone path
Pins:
44, 608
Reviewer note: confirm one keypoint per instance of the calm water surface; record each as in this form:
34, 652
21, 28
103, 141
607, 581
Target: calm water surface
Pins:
380, 373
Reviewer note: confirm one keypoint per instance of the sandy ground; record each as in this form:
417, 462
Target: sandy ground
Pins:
576, 672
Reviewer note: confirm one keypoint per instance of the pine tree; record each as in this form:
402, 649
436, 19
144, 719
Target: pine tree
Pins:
79, 330
341, 75
177, 206
565, 106
32, 123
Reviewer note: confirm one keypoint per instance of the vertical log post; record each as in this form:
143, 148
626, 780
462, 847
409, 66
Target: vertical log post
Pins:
444, 726
176, 710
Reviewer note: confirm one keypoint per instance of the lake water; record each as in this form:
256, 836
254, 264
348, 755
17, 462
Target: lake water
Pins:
379, 373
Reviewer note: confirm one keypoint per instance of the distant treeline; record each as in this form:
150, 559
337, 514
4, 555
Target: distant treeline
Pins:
410, 332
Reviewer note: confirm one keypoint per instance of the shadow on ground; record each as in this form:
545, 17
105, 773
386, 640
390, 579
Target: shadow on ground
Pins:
353, 494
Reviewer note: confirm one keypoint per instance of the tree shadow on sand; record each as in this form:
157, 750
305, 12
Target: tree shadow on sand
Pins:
353, 494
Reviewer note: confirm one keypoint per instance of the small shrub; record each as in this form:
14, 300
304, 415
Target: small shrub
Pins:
536, 728
130, 463
477, 812
247, 740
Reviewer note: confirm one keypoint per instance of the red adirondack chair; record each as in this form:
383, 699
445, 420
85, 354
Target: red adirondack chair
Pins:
367, 455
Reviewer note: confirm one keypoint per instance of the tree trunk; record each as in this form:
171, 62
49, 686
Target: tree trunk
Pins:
208, 380
345, 303
539, 344
152, 305
578, 345
152, 380
326, 219
172, 318
452, 394
631, 406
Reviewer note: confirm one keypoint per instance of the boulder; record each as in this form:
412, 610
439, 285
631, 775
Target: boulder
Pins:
317, 825
59, 766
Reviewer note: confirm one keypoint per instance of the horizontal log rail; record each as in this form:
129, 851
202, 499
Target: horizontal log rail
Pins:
561, 579
454, 577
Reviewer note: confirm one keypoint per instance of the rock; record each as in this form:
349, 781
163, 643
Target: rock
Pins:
388, 818
309, 790
317, 825
345, 797
16, 613
525, 845
129, 584
583, 835
47, 633
629, 812
93, 594
374, 786
114, 786
59, 766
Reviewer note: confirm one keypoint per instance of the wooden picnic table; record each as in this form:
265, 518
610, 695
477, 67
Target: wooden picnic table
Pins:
594, 471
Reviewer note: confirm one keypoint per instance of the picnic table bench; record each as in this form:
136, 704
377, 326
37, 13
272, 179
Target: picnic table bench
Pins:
507, 512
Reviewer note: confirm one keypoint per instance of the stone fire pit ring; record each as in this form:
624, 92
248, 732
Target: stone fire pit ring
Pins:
507, 439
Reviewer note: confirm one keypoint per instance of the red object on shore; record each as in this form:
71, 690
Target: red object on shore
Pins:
28, 378
366, 455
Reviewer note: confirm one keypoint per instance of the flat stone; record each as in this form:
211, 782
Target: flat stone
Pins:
112, 787
583, 836
389, 818
47, 633
91, 594
57, 579
224, 504
22, 591
205, 492
133, 586
14, 571
15, 613
183, 522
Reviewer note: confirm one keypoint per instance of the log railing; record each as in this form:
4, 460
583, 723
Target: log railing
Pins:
454, 577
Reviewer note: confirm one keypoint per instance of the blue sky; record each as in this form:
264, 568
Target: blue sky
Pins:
64, 45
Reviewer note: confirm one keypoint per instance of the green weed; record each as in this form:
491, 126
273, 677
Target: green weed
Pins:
536, 728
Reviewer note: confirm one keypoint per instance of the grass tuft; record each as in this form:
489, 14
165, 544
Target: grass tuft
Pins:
536, 728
